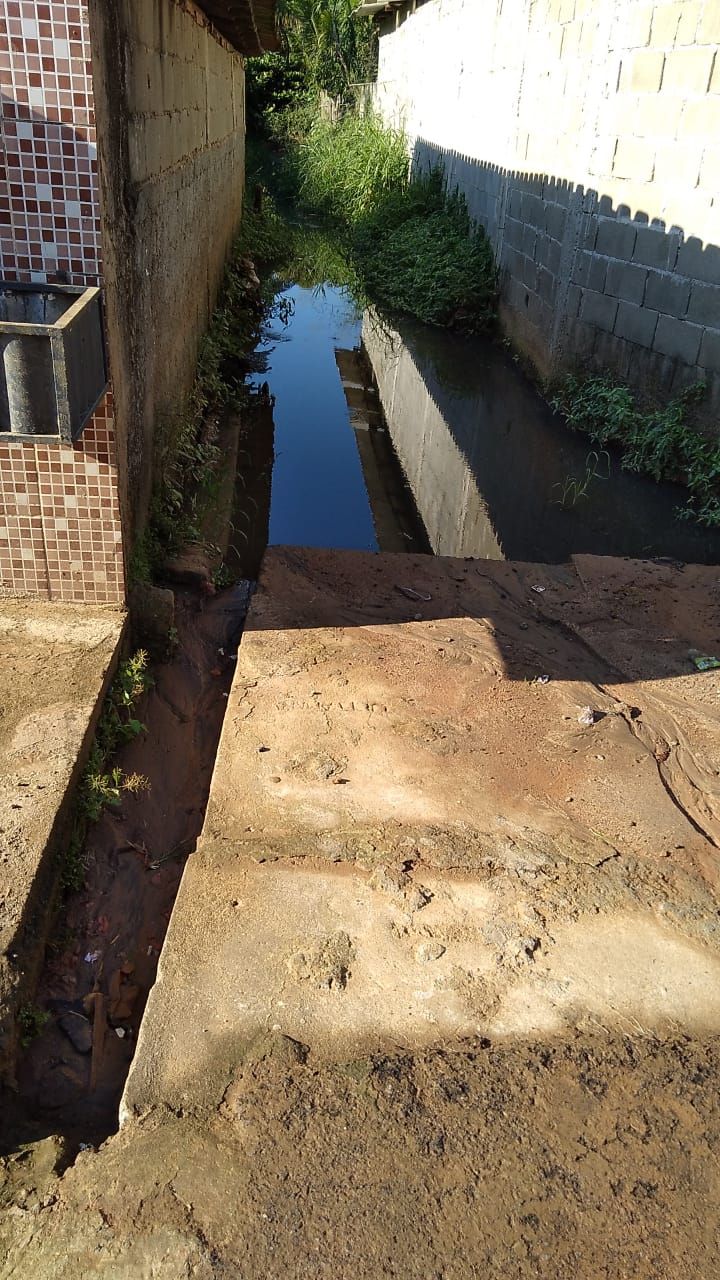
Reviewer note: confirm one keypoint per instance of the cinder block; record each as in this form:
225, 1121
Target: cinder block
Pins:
626, 280
553, 255
709, 356
636, 324
555, 220
514, 232
514, 204
665, 21
678, 338
656, 116
637, 21
710, 166
533, 210
704, 305
590, 271
688, 23
528, 272
667, 293
615, 237
701, 119
598, 309
634, 159
546, 285
699, 262
652, 247
529, 238
709, 31
646, 71
677, 165
687, 71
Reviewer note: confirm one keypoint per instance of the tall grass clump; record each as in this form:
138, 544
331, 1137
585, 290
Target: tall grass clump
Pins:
414, 246
347, 169
658, 441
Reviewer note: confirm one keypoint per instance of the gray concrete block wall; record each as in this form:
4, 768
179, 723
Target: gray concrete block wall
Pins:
586, 137
170, 106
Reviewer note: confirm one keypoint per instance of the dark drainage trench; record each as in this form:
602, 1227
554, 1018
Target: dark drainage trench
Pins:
103, 954
364, 435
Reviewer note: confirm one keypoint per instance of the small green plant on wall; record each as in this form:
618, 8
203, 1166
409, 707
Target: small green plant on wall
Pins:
660, 441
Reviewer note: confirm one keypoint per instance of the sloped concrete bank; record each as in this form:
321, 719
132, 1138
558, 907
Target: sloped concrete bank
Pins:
56, 661
439, 991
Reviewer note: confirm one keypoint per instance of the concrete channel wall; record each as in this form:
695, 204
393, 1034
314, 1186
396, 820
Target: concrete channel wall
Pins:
171, 126
586, 137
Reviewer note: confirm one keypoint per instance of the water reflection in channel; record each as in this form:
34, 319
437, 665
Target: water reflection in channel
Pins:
409, 438
496, 474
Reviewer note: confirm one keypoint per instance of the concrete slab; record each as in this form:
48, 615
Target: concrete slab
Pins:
55, 663
413, 836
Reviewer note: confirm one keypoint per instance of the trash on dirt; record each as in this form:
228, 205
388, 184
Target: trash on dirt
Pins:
120, 1032
92, 957
587, 717
122, 992
215, 671
85, 1146
414, 595
537, 588
705, 661
541, 680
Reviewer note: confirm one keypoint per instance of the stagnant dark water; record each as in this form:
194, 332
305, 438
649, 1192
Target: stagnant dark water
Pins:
463, 439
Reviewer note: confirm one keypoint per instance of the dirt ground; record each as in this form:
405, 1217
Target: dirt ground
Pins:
440, 995
587, 1158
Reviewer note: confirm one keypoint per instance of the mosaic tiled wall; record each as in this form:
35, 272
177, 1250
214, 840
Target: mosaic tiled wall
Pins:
60, 533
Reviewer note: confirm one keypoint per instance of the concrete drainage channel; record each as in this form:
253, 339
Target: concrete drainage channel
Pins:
102, 957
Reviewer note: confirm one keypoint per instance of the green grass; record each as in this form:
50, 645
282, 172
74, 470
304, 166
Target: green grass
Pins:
347, 170
407, 246
658, 441
102, 783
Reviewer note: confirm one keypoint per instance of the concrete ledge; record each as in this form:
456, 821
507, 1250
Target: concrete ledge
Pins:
56, 661
413, 836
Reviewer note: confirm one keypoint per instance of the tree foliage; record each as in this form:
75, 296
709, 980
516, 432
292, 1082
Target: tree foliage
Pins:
324, 49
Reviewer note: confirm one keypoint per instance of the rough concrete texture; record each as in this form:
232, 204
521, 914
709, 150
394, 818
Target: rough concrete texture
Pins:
627, 174
439, 993
170, 102
55, 662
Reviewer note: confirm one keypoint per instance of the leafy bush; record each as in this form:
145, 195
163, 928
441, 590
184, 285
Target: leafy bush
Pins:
422, 254
415, 247
657, 441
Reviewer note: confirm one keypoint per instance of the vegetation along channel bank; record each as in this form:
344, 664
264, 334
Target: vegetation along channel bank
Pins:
359, 669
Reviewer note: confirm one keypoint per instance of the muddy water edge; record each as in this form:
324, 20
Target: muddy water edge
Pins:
103, 957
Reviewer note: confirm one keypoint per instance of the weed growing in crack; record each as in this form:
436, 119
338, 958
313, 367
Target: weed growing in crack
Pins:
31, 1020
103, 784
573, 488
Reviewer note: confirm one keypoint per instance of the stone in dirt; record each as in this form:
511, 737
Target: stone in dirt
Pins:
78, 1031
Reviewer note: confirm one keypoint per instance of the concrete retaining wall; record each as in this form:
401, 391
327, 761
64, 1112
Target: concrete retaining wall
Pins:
586, 137
171, 124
